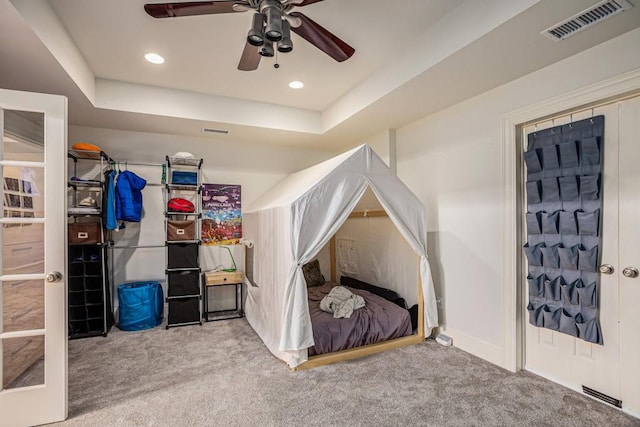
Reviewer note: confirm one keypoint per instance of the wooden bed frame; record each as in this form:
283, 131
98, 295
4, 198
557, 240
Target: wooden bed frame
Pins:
366, 350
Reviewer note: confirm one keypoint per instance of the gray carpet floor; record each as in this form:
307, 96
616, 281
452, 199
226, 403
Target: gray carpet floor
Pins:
220, 374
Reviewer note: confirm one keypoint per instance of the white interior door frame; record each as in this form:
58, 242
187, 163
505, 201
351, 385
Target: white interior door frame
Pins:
583, 98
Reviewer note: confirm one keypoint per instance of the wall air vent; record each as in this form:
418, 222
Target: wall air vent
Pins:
595, 14
608, 399
211, 130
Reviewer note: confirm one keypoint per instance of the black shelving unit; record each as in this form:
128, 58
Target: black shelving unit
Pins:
89, 301
183, 278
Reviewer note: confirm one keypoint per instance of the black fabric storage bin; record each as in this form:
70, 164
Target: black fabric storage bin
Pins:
182, 255
183, 310
183, 283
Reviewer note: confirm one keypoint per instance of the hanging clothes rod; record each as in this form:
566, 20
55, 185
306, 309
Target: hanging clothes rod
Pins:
128, 163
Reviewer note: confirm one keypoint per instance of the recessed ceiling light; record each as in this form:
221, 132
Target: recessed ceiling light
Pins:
296, 84
154, 58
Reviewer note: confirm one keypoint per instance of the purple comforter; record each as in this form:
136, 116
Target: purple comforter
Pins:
379, 320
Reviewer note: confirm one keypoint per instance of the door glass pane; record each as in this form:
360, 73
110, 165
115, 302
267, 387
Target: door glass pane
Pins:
23, 136
23, 249
22, 305
23, 189
22, 361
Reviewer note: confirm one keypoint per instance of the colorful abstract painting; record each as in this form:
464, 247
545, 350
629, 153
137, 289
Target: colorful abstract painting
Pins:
221, 214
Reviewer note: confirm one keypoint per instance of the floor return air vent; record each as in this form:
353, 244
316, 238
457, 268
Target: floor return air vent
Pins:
585, 19
601, 396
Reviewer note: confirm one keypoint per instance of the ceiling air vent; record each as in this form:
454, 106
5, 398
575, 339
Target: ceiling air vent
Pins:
211, 130
596, 13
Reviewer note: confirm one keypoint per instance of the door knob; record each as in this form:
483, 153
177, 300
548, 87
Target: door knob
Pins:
630, 272
54, 277
606, 269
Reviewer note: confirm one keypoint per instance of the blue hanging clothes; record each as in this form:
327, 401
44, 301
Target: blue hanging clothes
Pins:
129, 196
110, 202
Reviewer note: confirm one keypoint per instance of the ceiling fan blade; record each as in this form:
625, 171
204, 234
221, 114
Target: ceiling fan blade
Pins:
300, 3
171, 10
250, 58
321, 38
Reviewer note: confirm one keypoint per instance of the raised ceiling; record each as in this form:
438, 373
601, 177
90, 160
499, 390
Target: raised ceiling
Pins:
412, 58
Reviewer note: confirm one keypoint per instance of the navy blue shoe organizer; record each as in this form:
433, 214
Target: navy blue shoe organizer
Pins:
564, 205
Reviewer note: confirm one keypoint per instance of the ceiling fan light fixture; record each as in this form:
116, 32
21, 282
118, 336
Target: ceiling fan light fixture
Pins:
266, 49
285, 45
273, 30
255, 36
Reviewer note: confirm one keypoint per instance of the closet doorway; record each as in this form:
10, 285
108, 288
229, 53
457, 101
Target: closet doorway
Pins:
611, 368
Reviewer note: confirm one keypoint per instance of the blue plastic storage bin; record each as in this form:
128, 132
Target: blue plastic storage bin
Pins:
141, 305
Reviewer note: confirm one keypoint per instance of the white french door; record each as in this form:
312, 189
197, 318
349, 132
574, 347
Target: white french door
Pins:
33, 331
613, 368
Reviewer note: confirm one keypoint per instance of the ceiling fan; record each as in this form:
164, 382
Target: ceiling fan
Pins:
273, 22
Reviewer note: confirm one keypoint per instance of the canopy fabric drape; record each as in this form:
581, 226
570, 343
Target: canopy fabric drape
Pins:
307, 208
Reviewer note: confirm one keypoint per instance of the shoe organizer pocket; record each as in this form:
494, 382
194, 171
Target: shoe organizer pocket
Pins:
588, 259
536, 285
532, 159
590, 153
533, 192
550, 191
589, 187
552, 288
550, 256
549, 221
588, 222
569, 188
587, 295
534, 255
569, 154
568, 292
588, 330
550, 157
551, 317
567, 324
568, 257
568, 225
535, 315
533, 223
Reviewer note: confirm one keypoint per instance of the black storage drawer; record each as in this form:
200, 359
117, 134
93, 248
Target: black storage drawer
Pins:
184, 310
184, 283
182, 255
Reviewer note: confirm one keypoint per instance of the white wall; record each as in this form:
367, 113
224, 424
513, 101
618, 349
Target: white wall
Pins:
255, 168
452, 161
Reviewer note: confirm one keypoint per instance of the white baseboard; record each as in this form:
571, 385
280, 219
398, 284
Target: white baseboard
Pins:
482, 349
